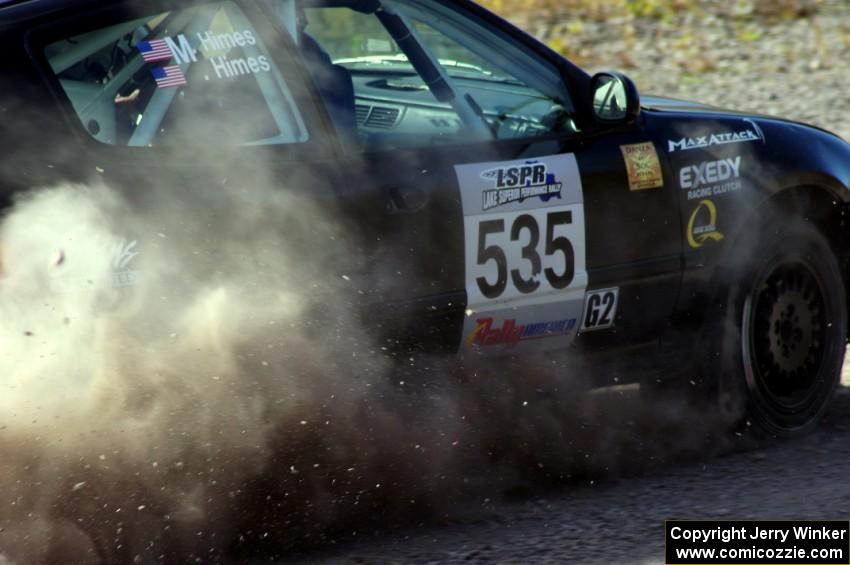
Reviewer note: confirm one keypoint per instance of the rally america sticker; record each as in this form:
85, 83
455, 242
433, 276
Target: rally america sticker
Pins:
506, 333
524, 234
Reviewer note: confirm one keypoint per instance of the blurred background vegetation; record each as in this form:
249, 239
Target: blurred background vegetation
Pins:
664, 9
780, 57
570, 25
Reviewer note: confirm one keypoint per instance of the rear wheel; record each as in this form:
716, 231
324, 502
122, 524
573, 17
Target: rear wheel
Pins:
789, 322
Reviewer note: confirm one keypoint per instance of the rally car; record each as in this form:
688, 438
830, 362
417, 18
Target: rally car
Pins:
518, 207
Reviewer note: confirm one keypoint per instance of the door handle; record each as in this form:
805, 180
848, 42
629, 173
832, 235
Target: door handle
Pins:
406, 200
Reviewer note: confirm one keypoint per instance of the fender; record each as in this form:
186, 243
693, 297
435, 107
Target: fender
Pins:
733, 174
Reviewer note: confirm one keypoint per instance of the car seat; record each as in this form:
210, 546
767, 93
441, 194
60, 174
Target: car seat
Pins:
335, 86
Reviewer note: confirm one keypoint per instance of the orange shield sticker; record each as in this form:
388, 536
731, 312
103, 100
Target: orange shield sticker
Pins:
642, 166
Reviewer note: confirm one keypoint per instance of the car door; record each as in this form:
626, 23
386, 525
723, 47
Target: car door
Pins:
497, 217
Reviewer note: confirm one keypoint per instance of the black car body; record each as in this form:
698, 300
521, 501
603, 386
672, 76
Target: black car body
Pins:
516, 205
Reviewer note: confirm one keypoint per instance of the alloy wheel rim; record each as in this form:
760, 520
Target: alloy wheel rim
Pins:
786, 337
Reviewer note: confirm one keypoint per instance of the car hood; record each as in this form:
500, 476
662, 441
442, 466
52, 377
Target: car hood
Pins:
666, 104
652, 102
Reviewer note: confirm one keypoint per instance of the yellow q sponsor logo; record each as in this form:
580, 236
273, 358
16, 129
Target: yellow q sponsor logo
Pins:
698, 235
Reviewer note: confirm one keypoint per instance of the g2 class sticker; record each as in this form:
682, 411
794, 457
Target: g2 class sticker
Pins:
642, 166
702, 225
524, 251
600, 309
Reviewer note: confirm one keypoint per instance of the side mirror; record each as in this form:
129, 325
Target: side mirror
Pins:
615, 99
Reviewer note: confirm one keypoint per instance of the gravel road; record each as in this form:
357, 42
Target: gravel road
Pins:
795, 69
621, 520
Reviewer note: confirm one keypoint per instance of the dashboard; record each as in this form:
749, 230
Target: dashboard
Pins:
397, 110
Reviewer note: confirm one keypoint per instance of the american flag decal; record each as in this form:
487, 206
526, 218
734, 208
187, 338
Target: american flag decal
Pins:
154, 50
168, 77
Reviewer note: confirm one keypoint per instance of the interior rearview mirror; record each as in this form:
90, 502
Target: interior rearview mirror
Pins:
615, 98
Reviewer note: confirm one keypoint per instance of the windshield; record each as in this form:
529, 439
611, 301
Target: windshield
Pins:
399, 63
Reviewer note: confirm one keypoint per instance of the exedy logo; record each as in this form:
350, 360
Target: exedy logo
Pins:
710, 172
517, 182
711, 178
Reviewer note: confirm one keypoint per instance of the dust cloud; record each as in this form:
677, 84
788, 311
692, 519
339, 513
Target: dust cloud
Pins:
188, 382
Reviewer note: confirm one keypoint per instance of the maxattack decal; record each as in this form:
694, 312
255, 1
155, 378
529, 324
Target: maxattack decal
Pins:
711, 178
524, 251
702, 226
642, 166
488, 332
515, 183
751, 133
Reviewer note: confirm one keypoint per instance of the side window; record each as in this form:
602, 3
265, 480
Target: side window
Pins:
346, 34
520, 95
373, 94
378, 73
188, 77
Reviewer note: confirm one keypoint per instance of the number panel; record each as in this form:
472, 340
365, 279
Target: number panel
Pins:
536, 247
524, 241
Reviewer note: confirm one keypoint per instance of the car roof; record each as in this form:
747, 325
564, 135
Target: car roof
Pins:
15, 10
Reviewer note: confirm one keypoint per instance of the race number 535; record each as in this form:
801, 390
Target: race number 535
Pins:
523, 253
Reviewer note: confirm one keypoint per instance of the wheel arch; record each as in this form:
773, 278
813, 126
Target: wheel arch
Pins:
821, 206
826, 208
720, 336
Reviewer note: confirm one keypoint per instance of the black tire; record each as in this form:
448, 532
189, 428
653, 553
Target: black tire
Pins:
785, 329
